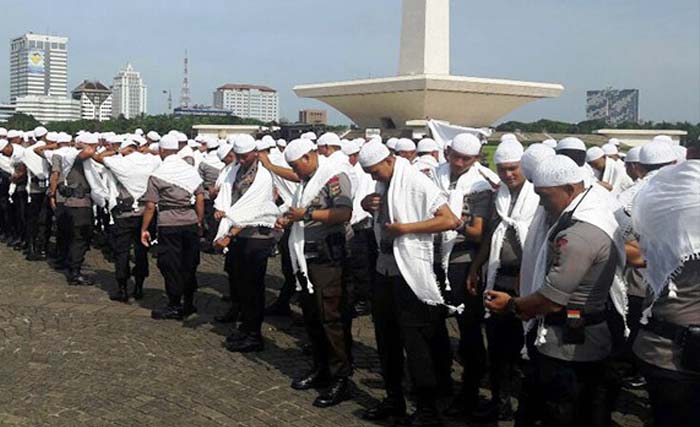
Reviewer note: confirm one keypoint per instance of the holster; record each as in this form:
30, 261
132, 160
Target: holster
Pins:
686, 337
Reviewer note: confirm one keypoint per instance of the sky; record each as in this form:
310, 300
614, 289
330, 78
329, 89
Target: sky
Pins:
650, 45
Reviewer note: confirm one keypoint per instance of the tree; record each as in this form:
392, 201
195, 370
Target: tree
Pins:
22, 121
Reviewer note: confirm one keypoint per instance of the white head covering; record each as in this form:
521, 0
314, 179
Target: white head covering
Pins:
508, 151
3, 143
665, 139
372, 153
52, 136
297, 148
571, 143
40, 131
351, 147
309, 135
244, 144
265, 143
614, 141
609, 149
329, 138
405, 144
427, 145
86, 138
391, 143
281, 143
168, 142
212, 143
657, 153
138, 131
140, 140
533, 156
63, 138
154, 146
153, 136
361, 141
223, 150
181, 137
509, 137
681, 153
194, 144
594, 153
3, 132
551, 143
633, 155
556, 171
112, 139
466, 144
128, 142
13, 133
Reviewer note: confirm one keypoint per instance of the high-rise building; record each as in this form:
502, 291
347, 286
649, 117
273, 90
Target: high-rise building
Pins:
39, 78
613, 105
128, 94
95, 100
248, 101
313, 117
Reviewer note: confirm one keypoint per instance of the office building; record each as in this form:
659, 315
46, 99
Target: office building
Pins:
248, 101
613, 106
95, 100
313, 117
128, 94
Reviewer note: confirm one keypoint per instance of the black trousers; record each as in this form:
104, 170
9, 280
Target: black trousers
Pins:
38, 221
246, 264
362, 263
211, 225
78, 231
126, 232
5, 220
505, 340
403, 322
289, 285
19, 209
471, 341
328, 320
178, 258
674, 396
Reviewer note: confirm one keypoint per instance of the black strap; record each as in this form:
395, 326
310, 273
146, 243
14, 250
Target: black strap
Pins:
164, 208
666, 330
559, 318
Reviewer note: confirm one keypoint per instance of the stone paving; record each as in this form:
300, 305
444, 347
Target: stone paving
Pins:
71, 357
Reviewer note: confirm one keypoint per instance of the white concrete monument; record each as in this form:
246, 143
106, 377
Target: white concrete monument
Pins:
424, 88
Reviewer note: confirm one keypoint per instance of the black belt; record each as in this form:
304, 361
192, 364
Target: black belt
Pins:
559, 318
509, 270
162, 208
667, 330
465, 247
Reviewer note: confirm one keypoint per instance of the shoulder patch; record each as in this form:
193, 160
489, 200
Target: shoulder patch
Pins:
334, 187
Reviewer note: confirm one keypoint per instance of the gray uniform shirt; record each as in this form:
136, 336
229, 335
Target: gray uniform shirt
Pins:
166, 194
511, 252
335, 194
75, 182
209, 175
683, 310
475, 205
581, 267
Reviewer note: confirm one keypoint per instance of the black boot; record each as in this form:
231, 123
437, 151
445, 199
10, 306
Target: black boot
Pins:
75, 278
426, 414
248, 343
462, 405
169, 312
121, 295
393, 405
32, 253
188, 308
231, 316
339, 391
138, 288
313, 379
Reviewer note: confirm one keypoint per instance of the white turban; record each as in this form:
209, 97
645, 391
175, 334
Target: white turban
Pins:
154, 146
13, 133
181, 137
138, 131
351, 147
405, 144
52, 136
86, 138
329, 138
466, 144
614, 141
556, 171
508, 151
633, 155
309, 135
40, 131
533, 157
111, 139
212, 143
3, 132
509, 137
153, 136
681, 153
65, 138
657, 153
427, 145
571, 143
665, 139
594, 153
3, 143
298, 148
140, 140
610, 149
551, 143
223, 150
127, 143
281, 143
244, 144
265, 143
391, 143
168, 142
372, 153
361, 141
193, 144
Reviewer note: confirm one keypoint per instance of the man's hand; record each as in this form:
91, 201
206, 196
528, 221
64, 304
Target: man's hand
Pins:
200, 229
219, 214
52, 202
264, 159
394, 230
496, 301
472, 282
146, 238
222, 242
372, 202
282, 223
295, 214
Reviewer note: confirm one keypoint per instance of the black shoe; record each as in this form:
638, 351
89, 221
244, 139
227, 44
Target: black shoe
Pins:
278, 309
634, 383
420, 419
234, 337
20, 246
230, 316
339, 391
169, 312
460, 407
389, 407
313, 379
248, 344
188, 310
121, 295
138, 289
59, 264
79, 280
361, 308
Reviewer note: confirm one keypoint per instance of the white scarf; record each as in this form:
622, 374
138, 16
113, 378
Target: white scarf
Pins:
666, 214
626, 198
255, 208
212, 159
520, 219
36, 164
223, 173
616, 176
198, 157
472, 181
341, 159
426, 163
413, 197
6, 165
174, 170
132, 171
99, 192
303, 197
285, 189
366, 186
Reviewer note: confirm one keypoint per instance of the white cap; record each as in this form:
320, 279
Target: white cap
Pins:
154, 146
114, 139
223, 150
52, 136
169, 142
508, 137
13, 133
391, 143
372, 153
309, 135
244, 144
594, 153
3, 143
405, 144
361, 141
614, 141
556, 171
128, 142
153, 136
298, 148
267, 142
3, 132
551, 143
194, 144
508, 151
427, 145
466, 144
86, 138
664, 138
633, 155
139, 139
329, 138
610, 149
657, 153
351, 147
681, 153
212, 143
571, 143
40, 131
181, 137
138, 131
281, 143
533, 157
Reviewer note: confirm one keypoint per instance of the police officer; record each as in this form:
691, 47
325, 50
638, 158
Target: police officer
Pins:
38, 209
209, 169
176, 189
19, 198
325, 214
568, 292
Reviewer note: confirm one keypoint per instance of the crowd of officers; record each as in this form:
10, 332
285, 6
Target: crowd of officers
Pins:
147, 192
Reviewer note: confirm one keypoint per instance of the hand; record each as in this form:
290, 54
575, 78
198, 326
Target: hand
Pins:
235, 231
472, 282
264, 159
282, 223
372, 202
219, 214
394, 230
146, 238
52, 202
496, 301
295, 214
222, 242
200, 229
